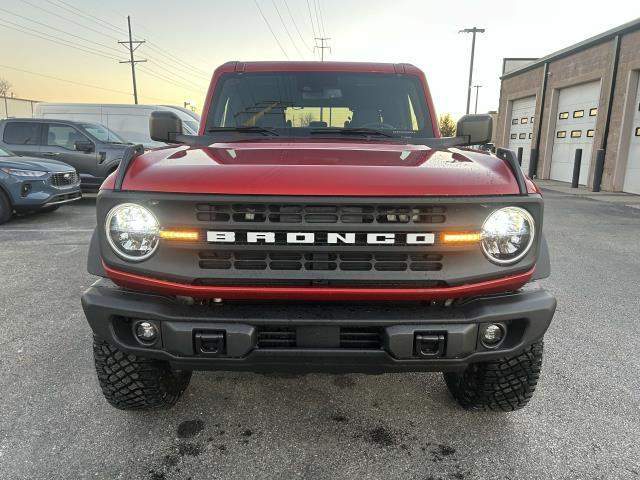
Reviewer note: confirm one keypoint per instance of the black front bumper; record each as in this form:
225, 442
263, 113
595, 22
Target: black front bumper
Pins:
329, 337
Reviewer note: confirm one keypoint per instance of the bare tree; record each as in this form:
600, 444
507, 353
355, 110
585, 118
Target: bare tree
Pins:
5, 86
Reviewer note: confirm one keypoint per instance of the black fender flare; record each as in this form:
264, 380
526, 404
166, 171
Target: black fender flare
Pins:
543, 262
94, 260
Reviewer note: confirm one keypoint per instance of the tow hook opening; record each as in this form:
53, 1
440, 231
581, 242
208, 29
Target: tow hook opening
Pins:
210, 343
429, 344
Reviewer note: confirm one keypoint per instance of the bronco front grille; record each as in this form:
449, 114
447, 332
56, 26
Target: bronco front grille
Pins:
64, 179
318, 261
258, 213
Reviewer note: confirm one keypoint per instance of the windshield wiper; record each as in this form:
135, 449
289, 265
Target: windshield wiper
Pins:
353, 131
244, 129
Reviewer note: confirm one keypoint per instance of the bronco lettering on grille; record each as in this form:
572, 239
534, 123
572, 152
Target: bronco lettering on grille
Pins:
330, 238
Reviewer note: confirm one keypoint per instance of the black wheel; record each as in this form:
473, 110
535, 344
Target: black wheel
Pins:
50, 209
505, 384
6, 210
131, 382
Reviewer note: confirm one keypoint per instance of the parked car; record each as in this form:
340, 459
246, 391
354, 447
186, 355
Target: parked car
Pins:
367, 243
33, 184
129, 122
92, 149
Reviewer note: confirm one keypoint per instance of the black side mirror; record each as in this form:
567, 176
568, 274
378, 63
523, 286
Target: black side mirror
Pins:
83, 146
164, 126
476, 128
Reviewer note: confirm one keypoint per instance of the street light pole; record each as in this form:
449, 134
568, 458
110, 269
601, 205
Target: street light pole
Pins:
477, 87
473, 31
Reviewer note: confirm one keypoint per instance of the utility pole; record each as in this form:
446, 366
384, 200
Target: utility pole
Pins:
477, 87
322, 46
129, 44
473, 30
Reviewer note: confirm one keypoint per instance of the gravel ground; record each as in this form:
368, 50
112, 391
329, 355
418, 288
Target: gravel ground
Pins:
582, 423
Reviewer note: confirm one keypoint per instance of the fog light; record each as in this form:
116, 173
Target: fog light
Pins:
492, 334
146, 332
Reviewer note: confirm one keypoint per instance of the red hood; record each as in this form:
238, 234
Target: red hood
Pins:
319, 168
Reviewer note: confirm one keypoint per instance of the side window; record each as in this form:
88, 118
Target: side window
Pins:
63, 136
514, 121
563, 115
22, 133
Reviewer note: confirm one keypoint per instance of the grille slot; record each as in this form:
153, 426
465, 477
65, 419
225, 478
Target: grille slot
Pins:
361, 338
64, 179
321, 261
358, 338
276, 337
325, 214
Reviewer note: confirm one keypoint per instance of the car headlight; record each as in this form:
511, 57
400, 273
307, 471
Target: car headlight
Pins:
132, 231
507, 235
18, 172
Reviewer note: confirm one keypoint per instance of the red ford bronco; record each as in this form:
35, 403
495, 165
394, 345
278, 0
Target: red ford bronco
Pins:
318, 222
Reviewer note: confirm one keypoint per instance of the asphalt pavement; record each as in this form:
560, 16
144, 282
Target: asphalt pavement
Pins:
583, 422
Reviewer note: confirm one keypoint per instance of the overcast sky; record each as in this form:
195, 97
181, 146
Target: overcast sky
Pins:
187, 39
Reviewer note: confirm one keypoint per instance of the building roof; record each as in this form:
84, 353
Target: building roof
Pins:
588, 43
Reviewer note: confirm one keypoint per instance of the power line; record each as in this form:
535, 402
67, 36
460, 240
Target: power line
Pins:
92, 18
318, 19
313, 28
152, 73
57, 30
165, 62
129, 44
181, 64
296, 26
324, 32
54, 39
271, 30
73, 82
286, 29
150, 43
65, 80
76, 24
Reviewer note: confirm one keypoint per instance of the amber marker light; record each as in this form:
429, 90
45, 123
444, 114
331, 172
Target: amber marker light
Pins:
461, 237
178, 235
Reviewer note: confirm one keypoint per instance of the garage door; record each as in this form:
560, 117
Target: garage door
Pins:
575, 128
632, 176
522, 113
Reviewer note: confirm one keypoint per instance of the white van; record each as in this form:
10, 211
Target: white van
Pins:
130, 122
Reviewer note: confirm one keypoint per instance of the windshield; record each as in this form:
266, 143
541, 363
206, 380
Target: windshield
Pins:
191, 126
101, 133
299, 103
5, 153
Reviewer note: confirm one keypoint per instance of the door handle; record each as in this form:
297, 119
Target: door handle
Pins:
51, 154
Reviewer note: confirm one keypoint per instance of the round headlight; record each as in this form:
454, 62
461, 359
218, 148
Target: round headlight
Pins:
132, 231
507, 235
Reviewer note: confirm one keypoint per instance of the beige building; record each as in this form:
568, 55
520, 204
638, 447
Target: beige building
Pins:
585, 97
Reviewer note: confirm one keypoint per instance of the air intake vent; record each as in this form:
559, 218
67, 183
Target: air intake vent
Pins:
319, 214
276, 337
361, 338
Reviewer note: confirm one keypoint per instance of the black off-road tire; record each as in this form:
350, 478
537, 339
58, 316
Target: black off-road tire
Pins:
504, 385
6, 210
131, 382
